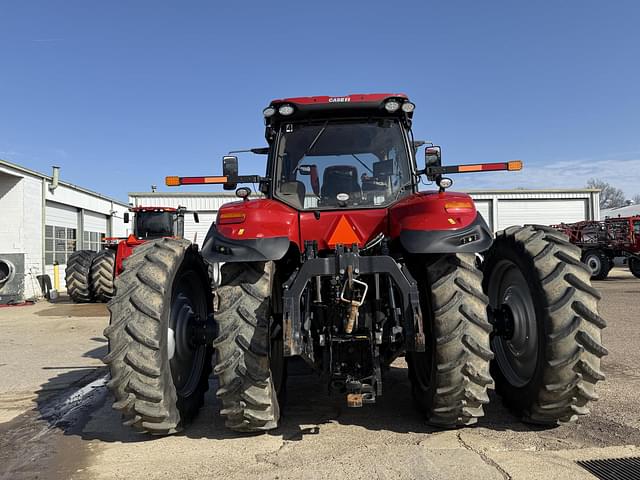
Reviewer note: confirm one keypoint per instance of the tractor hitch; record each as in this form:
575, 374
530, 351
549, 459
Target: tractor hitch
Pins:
335, 266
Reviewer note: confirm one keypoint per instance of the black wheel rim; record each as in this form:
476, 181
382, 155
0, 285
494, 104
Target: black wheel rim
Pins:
188, 307
517, 356
594, 263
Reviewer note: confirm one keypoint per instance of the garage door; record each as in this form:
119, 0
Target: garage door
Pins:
484, 209
61, 215
196, 232
543, 212
61, 230
95, 228
95, 222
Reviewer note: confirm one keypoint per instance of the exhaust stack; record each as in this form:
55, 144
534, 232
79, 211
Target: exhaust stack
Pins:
55, 178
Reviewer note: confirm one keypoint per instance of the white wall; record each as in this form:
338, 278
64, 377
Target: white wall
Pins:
21, 223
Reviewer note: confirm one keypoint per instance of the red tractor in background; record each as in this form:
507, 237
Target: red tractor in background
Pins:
602, 241
346, 264
90, 275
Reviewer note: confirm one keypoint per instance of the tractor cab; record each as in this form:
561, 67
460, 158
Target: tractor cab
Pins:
352, 157
157, 222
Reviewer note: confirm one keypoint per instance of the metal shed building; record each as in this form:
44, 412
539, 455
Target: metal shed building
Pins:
42, 221
500, 208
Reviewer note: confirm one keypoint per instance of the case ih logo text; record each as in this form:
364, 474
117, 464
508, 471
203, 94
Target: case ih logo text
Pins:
339, 99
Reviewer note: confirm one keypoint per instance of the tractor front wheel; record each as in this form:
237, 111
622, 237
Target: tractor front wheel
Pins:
159, 362
548, 341
450, 379
77, 276
249, 352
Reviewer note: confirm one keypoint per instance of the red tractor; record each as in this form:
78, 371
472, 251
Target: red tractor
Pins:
602, 241
90, 275
344, 263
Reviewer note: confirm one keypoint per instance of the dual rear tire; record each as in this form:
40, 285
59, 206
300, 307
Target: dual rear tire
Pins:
159, 371
544, 355
77, 276
90, 276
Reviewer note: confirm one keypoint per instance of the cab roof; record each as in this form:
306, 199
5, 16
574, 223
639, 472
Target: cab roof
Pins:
153, 209
355, 105
365, 98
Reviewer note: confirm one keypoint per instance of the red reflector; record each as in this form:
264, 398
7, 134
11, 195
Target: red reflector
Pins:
202, 180
494, 166
191, 180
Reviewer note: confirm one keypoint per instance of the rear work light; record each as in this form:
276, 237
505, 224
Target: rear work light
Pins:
231, 217
391, 106
269, 112
285, 109
408, 107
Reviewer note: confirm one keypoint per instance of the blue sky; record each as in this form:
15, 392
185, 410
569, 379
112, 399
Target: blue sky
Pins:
122, 93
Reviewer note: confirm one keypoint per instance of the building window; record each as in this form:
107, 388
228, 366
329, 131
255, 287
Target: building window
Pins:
92, 241
59, 243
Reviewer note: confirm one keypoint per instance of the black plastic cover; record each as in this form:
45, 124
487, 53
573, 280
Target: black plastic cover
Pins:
475, 238
217, 248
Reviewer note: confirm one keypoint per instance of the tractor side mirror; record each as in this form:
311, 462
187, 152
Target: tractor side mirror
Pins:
230, 169
196, 217
432, 156
125, 217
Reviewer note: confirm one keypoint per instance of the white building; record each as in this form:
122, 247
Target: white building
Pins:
503, 208
626, 211
43, 220
500, 208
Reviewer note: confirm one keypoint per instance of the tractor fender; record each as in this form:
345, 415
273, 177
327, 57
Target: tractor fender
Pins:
474, 238
251, 231
439, 222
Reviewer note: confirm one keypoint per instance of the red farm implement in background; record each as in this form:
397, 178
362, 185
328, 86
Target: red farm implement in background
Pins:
90, 275
603, 241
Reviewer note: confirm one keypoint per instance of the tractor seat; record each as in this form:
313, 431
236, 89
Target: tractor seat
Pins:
339, 179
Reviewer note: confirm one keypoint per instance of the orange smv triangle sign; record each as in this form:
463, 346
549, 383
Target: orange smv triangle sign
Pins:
344, 233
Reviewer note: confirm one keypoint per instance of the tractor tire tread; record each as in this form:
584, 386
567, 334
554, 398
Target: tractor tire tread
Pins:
573, 328
102, 275
141, 383
461, 341
77, 276
246, 388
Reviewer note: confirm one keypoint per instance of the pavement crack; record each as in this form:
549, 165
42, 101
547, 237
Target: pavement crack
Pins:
485, 458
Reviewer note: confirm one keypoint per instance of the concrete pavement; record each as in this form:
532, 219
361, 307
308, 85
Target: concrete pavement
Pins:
319, 437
